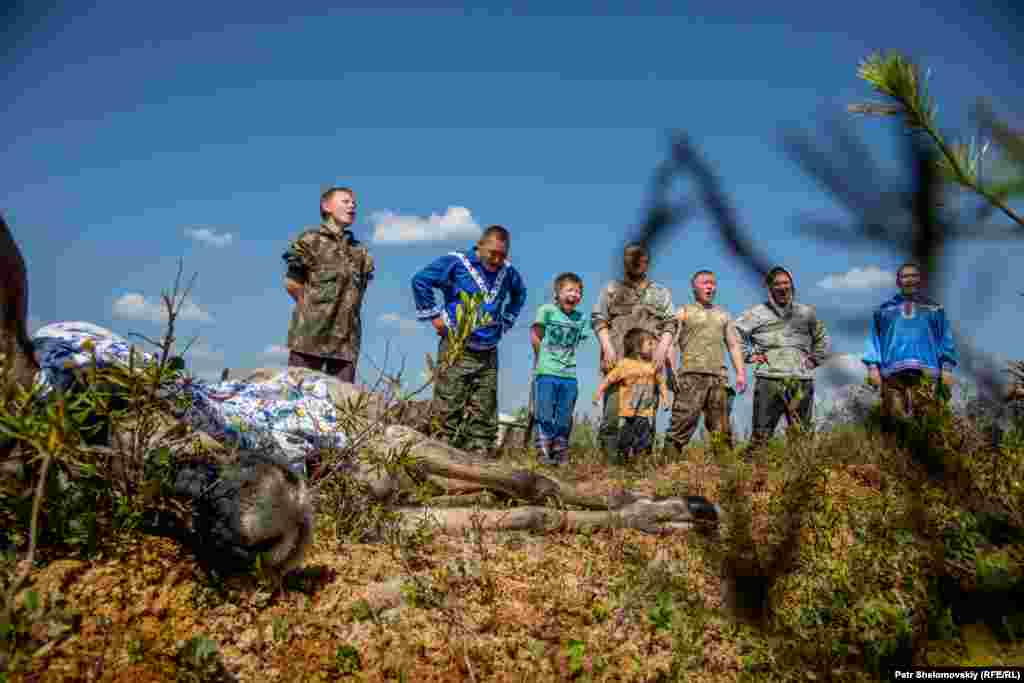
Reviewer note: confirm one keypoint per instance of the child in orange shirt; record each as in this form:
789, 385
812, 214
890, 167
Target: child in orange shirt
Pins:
638, 398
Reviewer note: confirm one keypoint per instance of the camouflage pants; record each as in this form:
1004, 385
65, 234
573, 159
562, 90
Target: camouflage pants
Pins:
466, 399
696, 394
770, 399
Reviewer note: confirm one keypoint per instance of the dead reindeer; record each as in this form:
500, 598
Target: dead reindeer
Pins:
550, 504
252, 509
254, 512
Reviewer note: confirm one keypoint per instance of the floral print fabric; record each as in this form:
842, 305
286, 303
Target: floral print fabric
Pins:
289, 416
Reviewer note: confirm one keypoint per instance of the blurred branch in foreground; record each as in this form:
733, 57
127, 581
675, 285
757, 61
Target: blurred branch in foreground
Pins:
903, 213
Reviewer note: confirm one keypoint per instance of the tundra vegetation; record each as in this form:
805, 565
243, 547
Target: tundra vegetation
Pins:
842, 550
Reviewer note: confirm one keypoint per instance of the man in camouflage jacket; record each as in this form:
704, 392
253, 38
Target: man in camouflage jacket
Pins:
786, 342
635, 301
328, 272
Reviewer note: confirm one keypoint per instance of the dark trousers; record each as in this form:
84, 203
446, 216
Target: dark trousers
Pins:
610, 432
344, 370
770, 401
636, 437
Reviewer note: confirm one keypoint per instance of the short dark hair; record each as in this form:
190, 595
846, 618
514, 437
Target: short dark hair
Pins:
330, 192
568, 277
496, 231
636, 246
908, 264
693, 278
770, 277
633, 340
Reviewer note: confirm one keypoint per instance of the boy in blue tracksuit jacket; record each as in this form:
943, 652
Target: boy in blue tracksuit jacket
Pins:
467, 395
910, 337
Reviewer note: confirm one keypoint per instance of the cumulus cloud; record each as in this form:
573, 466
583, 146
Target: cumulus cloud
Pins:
404, 325
456, 223
134, 306
844, 368
871, 277
209, 237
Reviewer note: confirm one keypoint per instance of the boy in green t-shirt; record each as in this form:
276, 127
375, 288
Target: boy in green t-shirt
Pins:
556, 333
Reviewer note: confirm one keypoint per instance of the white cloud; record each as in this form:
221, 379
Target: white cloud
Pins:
871, 277
844, 368
456, 223
275, 350
210, 237
134, 306
404, 325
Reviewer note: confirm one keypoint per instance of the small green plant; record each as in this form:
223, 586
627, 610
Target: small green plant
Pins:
136, 650
885, 630
660, 614
361, 611
960, 539
347, 660
280, 628
576, 656
993, 572
200, 661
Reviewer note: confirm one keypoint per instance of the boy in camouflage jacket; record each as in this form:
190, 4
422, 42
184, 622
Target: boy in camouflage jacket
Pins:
328, 272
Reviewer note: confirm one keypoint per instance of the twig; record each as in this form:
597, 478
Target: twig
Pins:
37, 503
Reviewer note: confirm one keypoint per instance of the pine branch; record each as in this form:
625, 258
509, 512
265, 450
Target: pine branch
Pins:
900, 79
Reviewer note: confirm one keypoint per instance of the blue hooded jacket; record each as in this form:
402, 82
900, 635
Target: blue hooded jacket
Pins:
457, 272
910, 334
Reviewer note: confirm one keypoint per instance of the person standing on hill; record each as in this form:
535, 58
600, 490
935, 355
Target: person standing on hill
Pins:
639, 386
557, 331
328, 273
635, 301
786, 342
910, 338
705, 331
466, 395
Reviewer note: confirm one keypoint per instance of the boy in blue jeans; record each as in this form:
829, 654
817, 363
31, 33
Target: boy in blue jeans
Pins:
556, 333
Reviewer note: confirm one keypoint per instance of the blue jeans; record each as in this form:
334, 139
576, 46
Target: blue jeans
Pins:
554, 400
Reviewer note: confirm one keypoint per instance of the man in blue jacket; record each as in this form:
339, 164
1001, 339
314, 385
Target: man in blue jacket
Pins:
910, 338
467, 394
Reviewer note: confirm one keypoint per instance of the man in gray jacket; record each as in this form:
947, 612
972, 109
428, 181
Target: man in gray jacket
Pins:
785, 342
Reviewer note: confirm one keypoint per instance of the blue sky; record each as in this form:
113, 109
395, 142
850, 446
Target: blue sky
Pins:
137, 135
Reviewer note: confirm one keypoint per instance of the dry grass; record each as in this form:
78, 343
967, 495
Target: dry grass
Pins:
844, 534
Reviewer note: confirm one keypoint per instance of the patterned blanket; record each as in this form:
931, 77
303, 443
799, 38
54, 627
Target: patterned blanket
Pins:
289, 415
